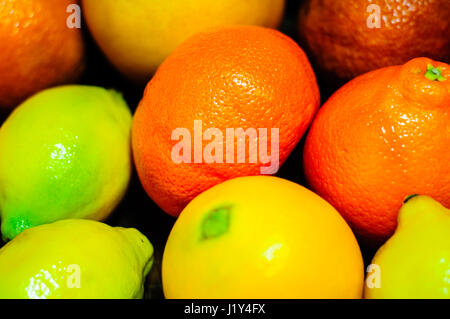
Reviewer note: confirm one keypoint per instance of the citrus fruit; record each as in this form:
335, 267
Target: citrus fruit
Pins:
261, 237
382, 136
347, 38
138, 36
244, 77
415, 261
64, 153
37, 48
73, 259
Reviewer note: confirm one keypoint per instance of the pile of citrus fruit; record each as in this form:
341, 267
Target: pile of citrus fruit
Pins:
112, 190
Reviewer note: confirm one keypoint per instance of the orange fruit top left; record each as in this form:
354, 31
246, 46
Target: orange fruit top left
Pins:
228, 78
37, 48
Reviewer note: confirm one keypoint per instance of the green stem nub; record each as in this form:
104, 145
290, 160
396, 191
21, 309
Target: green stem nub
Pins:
434, 74
216, 222
409, 197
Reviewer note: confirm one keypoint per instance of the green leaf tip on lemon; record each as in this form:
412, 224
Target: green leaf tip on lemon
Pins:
216, 222
75, 259
415, 261
64, 153
407, 198
434, 74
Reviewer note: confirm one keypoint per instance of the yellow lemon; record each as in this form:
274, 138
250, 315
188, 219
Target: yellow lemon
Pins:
75, 258
415, 261
137, 36
261, 237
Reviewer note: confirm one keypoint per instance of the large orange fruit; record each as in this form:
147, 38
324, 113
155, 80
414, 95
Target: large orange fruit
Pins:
37, 48
228, 78
351, 37
381, 137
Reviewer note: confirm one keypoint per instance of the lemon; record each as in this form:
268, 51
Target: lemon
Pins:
75, 258
415, 261
64, 153
137, 36
261, 237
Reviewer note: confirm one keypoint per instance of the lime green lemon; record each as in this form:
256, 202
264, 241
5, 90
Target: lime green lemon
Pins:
75, 258
415, 261
64, 153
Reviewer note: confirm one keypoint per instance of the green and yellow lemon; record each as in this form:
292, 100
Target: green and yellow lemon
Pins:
75, 258
64, 153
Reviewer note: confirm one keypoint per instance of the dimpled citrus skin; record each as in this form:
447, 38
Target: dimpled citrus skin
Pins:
138, 36
233, 77
381, 137
340, 41
73, 259
64, 153
37, 49
415, 261
282, 241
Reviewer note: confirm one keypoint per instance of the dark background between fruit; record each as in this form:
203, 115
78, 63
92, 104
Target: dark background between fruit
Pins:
137, 209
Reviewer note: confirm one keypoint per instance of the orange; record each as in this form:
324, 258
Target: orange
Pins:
261, 237
137, 36
233, 77
345, 39
37, 49
381, 137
